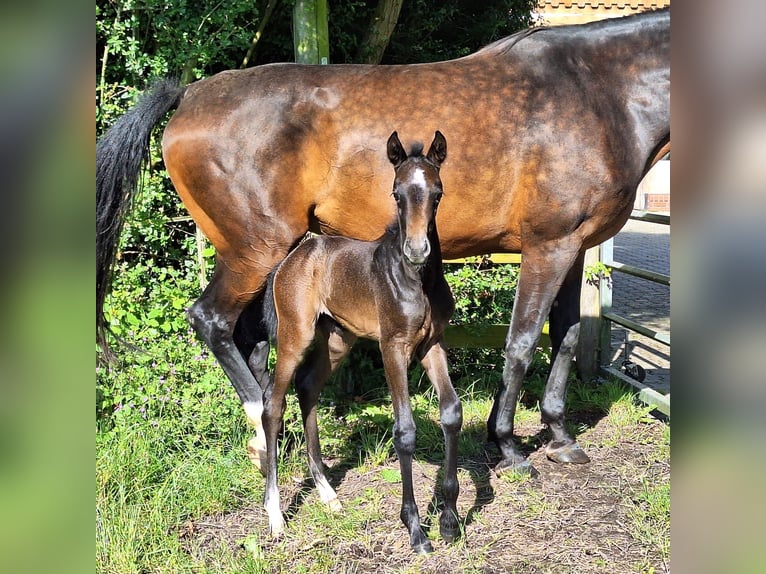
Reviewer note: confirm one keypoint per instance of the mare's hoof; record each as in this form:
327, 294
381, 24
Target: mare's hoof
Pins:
568, 453
256, 452
334, 505
449, 535
523, 467
424, 548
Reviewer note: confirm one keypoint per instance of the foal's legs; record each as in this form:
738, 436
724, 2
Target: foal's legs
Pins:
451, 416
543, 269
564, 332
395, 362
331, 345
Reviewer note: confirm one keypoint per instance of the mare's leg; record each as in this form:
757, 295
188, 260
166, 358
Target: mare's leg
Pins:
214, 317
564, 332
331, 345
451, 416
543, 269
395, 362
252, 340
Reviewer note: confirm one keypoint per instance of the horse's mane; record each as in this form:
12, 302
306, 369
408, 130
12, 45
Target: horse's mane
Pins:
416, 150
503, 45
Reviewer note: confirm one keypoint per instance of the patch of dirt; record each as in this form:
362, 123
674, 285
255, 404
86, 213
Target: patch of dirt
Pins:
571, 518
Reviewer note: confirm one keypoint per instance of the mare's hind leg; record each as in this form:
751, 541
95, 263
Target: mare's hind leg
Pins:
331, 345
252, 340
543, 269
564, 332
395, 362
451, 418
214, 317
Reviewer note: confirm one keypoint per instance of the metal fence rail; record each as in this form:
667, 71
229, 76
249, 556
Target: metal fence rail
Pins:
606, 316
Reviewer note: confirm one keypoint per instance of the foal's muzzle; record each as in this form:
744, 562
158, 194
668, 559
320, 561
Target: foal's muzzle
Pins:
417, 251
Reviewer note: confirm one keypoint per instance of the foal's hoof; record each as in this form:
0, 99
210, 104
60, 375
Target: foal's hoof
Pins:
567, 453
449, 535
256, 452
423, 548
523, 468
277, 529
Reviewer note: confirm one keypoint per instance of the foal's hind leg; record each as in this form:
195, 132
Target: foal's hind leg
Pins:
295, 332
451, 418
331, 345
564, 332
543, 269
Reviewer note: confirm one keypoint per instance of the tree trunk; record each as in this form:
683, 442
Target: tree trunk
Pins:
379, 33
269, 10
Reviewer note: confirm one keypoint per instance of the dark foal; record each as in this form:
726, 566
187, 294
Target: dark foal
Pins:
331, 290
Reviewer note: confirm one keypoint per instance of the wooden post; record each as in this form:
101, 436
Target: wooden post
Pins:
201, 263
589, 349
605, 291
310, 32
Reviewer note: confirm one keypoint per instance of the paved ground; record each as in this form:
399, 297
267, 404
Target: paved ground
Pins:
645, 245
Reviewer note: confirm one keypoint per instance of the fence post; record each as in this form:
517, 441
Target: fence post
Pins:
310, 35
605, 304
588, 351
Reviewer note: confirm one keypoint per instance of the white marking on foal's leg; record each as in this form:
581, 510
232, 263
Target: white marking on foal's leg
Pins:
276, 519
256, 446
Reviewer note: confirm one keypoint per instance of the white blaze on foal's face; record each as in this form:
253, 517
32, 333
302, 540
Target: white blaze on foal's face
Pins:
418, 178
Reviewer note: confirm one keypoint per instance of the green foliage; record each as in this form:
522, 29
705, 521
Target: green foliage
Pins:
144, 39
597, 271
430, 31
483, 291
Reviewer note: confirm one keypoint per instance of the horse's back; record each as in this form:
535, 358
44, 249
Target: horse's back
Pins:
540, 126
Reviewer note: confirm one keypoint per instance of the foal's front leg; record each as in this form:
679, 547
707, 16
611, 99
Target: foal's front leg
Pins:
395, 362
451, 416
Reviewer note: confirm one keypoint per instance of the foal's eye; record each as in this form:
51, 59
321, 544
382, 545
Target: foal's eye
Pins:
396, 196
438, 198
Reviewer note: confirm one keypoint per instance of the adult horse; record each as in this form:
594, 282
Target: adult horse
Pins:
552, 130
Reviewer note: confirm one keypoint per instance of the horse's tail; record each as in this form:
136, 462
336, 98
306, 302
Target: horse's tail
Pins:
269, 309
120, 152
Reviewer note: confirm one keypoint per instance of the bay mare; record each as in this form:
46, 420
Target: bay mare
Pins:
563, 123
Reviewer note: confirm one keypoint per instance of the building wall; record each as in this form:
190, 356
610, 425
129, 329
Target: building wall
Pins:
558, 12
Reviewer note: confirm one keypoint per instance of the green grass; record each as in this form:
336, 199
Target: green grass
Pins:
147, 486
163, 468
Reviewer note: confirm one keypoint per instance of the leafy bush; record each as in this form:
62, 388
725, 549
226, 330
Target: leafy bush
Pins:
483, 291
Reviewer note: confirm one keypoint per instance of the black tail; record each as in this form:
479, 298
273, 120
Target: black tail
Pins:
269, 310
120, 153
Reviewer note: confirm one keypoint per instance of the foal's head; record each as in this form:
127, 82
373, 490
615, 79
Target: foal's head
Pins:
417, 191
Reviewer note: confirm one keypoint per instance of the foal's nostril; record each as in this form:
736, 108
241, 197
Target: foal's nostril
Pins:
417, 255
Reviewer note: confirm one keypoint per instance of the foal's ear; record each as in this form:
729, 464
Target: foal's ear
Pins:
437, 153
396, 153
